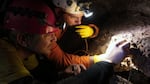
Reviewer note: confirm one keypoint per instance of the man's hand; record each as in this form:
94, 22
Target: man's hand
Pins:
115, 52
75, 69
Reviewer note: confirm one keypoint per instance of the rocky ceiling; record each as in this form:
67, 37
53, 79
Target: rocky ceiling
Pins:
129, 19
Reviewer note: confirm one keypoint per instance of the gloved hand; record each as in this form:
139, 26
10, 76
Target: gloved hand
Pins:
115, 52
84, 31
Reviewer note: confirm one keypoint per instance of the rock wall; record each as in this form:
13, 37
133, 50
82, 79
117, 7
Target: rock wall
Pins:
129, 19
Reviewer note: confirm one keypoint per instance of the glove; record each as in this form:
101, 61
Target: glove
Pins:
84, 31
115, 52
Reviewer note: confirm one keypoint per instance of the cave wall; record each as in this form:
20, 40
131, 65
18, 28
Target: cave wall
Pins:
129, 19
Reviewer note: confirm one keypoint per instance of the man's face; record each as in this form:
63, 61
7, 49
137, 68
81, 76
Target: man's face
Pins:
73, 19
42, 44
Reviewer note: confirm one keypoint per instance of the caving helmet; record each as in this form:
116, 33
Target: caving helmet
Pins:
31, 16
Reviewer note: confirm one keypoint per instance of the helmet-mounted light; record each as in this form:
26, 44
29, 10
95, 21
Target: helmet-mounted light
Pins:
85, 7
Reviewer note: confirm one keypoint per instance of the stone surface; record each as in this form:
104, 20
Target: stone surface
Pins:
128, 19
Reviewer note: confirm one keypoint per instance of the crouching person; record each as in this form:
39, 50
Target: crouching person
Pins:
28, 29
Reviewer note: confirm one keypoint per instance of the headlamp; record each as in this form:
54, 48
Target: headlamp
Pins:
85, 7
88, 13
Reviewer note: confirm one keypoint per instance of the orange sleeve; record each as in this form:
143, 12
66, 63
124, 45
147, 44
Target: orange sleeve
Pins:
65, 59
